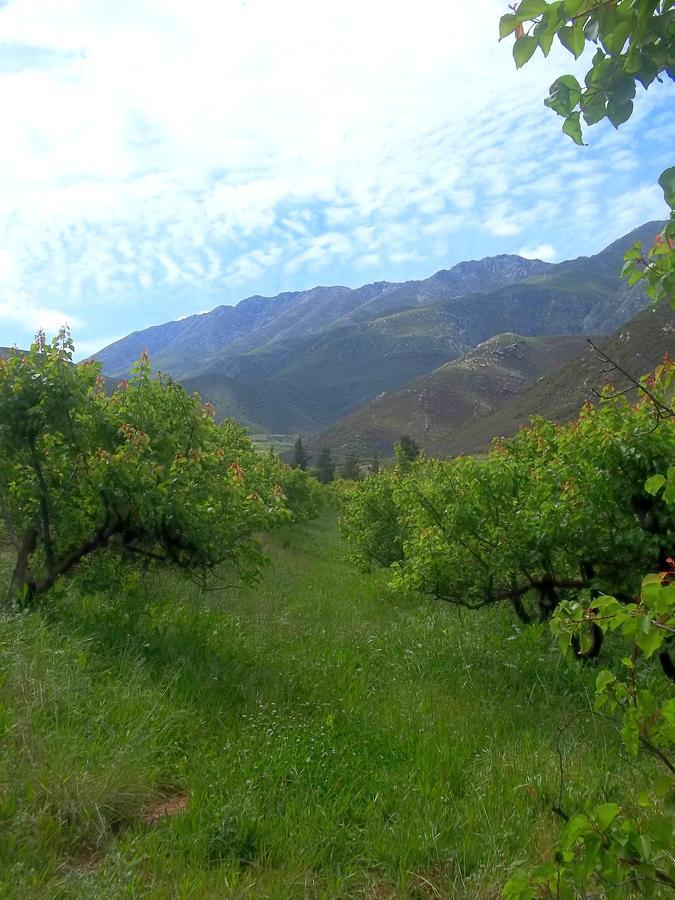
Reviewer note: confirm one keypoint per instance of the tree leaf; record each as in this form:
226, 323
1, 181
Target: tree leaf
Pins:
573, 39
523, 49
572, 128
507, 25
604, 678
654, 484
619, 111
667, 182
529, 9
593, 107
649, 643
605, 814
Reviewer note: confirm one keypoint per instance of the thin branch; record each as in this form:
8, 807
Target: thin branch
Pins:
661, 408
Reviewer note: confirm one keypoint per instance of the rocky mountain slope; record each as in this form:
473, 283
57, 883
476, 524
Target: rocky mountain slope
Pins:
300, 361
638, 347
476, 384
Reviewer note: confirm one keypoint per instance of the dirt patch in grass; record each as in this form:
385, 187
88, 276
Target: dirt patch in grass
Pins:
166, 807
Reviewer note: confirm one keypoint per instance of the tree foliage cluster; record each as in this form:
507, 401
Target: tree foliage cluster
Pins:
557, 510
145, 472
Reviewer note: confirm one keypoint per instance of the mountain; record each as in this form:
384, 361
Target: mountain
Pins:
300, 361
258, 321
474, 385
637, 347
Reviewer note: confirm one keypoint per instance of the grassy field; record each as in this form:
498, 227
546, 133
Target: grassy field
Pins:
279, 443
310, 737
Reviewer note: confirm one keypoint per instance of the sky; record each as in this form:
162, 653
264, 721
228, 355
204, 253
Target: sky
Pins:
159, 158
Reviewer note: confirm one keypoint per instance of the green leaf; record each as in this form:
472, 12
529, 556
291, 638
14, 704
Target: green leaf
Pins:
593, 107
576, 827
650, 642
518, 887
523, 49
667, 182
507, 25
605, 814
668, 710
619, 111
654, 484
529, 9
635, 252
545, 37
564, 94
572, 38
614, 41
591, 29
623, 88
646, 73
572, 128
604, 678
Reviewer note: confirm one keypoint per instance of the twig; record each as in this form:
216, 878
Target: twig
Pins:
661, 409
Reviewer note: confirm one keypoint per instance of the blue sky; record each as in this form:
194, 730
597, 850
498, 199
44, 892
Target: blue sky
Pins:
159, 158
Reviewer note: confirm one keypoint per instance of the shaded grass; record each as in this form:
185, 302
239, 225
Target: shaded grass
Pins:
332, 741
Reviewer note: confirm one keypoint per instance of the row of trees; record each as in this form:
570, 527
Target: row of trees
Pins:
352, 469
611, 850
145, 473
556, 511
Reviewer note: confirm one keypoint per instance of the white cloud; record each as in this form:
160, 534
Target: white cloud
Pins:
545, 252
367, 260
158, 148
19, 312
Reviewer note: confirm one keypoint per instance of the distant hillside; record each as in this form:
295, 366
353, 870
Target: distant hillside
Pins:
300, 361
637, 347
429, 408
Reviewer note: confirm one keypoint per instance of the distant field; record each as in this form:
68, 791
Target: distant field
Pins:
280, 443
310, 737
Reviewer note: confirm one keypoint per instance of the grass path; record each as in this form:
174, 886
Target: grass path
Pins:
308, 737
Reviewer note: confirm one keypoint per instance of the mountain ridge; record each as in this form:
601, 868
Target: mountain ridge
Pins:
301, 360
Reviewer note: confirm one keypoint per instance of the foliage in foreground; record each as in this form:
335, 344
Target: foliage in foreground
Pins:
144, 473
611, 848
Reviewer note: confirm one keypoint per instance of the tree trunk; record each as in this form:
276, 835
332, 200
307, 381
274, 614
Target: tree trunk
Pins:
19, 578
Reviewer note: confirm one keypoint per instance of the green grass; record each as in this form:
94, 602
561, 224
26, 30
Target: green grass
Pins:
332, 741
280, 443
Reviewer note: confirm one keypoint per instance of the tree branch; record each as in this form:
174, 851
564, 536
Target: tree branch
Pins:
661, 408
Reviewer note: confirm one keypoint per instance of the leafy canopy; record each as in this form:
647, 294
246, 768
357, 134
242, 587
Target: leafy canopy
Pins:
144, 472
557, 510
